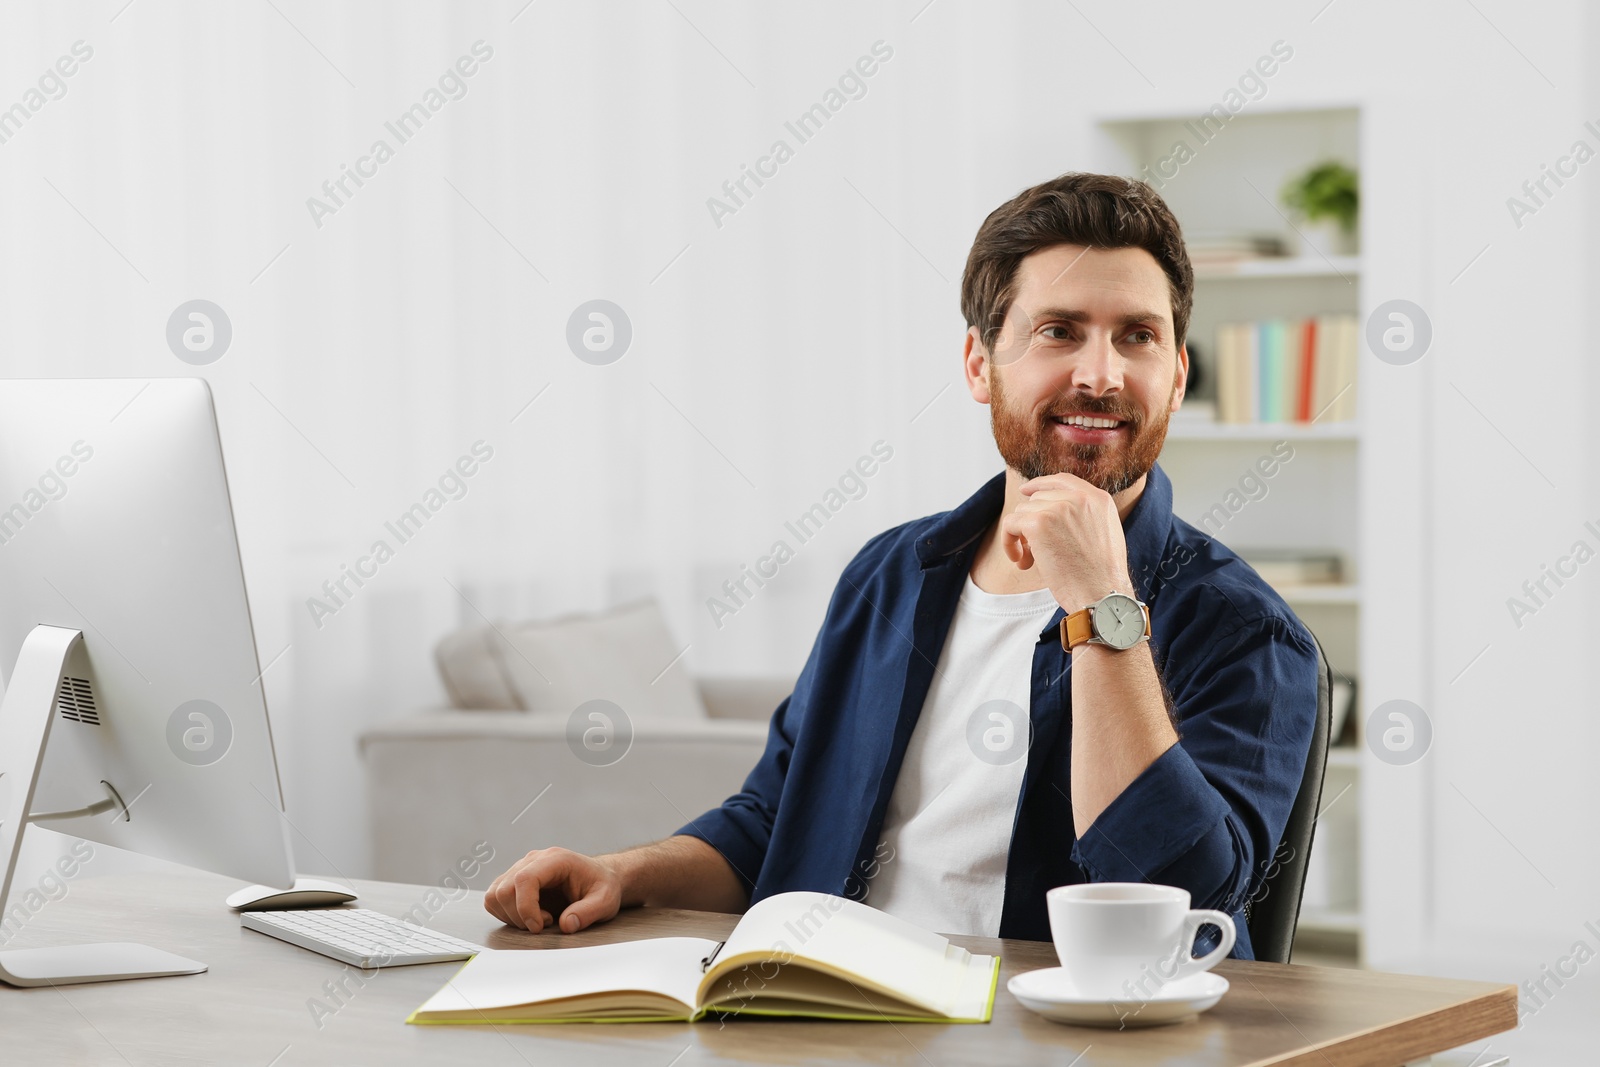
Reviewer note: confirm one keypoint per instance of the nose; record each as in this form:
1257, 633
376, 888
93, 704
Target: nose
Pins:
1098, 368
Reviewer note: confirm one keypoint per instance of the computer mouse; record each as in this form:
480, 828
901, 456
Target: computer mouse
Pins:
307, 893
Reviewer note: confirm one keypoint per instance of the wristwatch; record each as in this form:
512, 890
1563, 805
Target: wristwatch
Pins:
1116, 620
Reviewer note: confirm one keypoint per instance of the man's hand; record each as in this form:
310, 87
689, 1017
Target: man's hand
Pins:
1069, 529
555, 885
570, 891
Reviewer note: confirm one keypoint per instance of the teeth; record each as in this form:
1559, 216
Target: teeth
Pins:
1089, 422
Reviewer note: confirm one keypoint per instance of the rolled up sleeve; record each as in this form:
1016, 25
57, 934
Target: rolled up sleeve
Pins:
1208, 809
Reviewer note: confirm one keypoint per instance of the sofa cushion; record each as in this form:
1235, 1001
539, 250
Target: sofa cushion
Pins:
625, 655
469, 665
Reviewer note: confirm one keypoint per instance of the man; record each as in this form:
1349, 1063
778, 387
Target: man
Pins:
944, 756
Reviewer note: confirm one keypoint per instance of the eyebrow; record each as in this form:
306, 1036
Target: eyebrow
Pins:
1079, 315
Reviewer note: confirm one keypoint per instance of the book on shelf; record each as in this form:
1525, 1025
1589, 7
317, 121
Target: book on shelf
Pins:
792, 954
1226, 249
1290, 567
1287, 370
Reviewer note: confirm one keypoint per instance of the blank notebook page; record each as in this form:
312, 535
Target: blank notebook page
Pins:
919, 966
502, 978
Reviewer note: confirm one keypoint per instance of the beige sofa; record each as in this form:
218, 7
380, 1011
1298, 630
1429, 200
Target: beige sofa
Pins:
568, 733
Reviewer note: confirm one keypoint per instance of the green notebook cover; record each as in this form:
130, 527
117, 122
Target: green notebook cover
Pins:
819, 1013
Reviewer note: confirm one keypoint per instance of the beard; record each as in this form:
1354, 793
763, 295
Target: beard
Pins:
1031, 446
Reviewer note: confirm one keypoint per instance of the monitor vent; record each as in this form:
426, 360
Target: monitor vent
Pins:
75, 698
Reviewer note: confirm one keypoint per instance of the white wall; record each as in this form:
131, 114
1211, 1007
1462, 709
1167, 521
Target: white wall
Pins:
818, 319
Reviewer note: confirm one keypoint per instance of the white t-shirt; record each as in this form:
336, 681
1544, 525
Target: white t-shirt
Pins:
950, 816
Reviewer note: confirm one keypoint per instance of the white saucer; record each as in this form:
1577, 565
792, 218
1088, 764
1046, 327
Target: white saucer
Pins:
1051, 993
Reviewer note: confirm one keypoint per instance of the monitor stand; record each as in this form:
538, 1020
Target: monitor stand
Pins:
25, 717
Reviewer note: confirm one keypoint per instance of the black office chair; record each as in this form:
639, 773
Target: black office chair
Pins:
1274, 908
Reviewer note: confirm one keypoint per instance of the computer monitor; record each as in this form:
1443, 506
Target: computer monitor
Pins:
134, 712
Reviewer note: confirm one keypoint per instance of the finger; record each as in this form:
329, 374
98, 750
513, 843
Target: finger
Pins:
595, 907
1017, 548
1013, 545
1015, 542
560, 876
543, 872
1062, 481
495, 899
505, 900
491, 900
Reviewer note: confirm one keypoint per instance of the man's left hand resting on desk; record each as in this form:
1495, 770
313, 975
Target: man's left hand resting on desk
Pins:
557, 883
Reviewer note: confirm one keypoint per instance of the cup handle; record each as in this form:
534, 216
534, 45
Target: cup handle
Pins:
1191, 928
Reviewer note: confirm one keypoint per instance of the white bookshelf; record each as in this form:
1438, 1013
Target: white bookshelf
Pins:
1282, 267
1313, 500
1196, 430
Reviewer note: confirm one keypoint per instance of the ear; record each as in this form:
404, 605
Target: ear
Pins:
1180, 384
975, 365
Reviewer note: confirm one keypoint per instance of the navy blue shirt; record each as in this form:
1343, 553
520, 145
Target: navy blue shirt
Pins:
1207, 815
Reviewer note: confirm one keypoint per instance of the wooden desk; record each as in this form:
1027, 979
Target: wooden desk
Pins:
255, 1004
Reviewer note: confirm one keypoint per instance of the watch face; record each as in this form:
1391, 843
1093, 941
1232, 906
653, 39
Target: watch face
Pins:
1118, 621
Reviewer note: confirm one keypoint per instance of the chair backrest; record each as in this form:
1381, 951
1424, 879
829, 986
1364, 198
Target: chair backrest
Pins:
1274, 907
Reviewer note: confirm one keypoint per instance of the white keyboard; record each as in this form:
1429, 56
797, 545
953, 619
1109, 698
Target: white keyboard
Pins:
359, 936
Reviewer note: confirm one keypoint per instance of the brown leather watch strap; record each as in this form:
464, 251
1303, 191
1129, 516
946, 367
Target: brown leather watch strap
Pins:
1076, 628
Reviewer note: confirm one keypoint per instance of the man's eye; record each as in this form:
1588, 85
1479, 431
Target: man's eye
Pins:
1057, 333
1150, 337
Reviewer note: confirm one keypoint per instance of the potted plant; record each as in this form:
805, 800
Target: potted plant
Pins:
1327, 200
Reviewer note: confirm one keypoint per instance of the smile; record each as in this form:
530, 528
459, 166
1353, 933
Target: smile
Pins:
1087, 422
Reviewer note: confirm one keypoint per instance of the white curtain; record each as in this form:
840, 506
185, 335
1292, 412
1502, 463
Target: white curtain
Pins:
378, 336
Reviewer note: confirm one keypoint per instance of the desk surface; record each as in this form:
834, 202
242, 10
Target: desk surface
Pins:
257, 1003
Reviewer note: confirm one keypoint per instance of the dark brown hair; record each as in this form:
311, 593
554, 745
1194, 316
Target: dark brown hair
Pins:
1093, 210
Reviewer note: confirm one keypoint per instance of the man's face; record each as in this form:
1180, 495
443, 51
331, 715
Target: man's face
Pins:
1088, 337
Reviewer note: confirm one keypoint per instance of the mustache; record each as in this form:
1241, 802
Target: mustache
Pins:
1105, 406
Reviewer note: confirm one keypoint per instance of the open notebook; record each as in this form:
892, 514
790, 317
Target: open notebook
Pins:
808, 954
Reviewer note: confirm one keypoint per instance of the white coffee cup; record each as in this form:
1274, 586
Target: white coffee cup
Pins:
1125, 940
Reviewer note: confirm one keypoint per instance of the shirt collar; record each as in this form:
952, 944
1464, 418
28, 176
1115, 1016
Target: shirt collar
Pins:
1145, 530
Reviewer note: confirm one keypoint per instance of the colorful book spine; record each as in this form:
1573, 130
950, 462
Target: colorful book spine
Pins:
1270, 404
1278, 370
1308, 337
1250, 373
1263, 369
1227, 372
